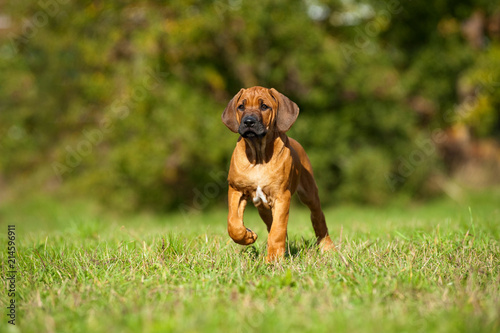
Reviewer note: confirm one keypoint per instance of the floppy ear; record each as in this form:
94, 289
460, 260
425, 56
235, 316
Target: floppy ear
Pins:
287, 111
229, 114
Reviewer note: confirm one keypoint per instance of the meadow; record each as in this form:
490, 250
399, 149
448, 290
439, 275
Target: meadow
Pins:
405, 267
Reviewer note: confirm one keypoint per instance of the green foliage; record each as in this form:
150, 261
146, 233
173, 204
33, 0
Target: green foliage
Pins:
483, 79
372, 180
122, 101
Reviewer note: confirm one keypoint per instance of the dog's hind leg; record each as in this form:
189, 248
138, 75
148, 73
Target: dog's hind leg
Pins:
308, 194
266, 215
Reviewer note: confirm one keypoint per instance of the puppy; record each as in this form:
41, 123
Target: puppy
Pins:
267, 167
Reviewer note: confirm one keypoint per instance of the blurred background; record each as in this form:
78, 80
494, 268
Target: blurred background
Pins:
119, 102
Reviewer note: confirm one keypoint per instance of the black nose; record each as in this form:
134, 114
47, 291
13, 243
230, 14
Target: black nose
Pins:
249, 121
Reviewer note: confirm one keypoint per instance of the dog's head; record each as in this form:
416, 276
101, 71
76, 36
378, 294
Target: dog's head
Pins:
255, 111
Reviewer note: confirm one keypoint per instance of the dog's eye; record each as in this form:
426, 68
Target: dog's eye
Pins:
241, 107
264, 107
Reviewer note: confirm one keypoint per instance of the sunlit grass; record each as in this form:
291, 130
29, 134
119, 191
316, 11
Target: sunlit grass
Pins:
426, 268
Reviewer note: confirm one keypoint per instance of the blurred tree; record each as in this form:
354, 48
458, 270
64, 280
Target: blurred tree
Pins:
121, 100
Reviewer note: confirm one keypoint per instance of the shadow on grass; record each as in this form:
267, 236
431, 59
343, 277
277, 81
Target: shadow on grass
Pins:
298, 246
295, 247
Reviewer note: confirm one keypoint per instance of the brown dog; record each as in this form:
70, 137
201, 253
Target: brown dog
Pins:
268, 167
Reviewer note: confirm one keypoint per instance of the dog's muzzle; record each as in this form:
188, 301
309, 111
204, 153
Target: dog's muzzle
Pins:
251, 127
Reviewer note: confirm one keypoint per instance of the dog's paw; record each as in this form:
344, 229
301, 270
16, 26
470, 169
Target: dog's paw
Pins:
242, 236
251, 237
326, 244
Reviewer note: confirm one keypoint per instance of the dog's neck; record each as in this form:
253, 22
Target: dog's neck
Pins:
259, 150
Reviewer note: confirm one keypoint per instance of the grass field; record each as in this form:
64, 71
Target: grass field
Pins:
432, 267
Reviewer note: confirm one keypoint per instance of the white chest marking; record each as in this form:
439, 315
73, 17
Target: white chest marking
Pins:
260, 197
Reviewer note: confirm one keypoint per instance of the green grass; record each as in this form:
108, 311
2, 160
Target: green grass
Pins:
420, 268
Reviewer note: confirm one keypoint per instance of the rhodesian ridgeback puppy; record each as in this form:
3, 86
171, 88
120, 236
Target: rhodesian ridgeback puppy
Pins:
267, 167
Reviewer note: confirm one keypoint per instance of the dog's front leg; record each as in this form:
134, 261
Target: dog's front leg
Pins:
276, 242
237, 203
